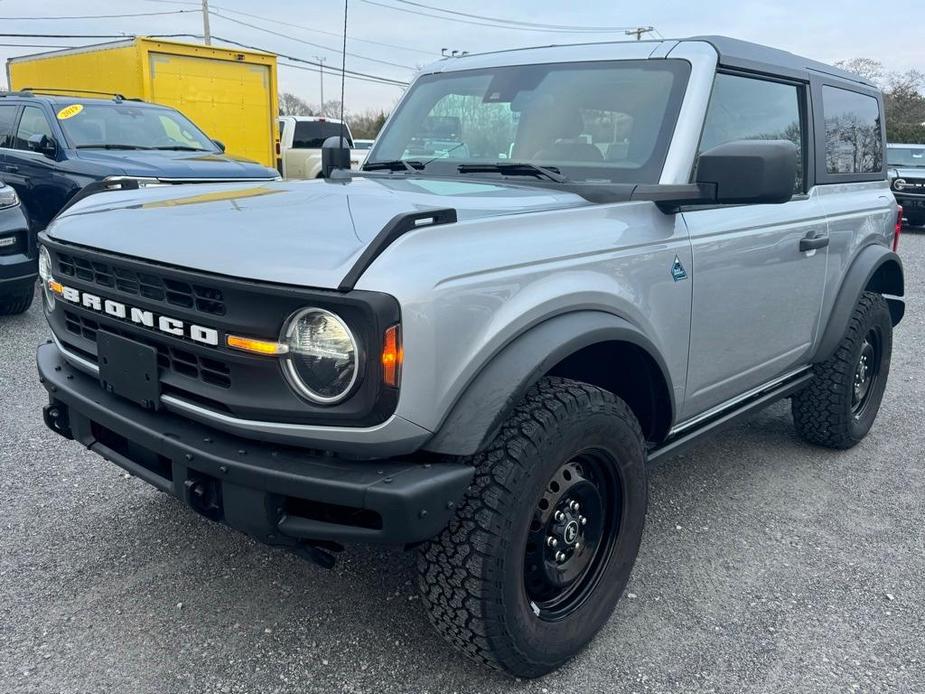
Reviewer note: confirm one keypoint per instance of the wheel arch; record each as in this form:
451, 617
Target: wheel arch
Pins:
571, 345
875, 269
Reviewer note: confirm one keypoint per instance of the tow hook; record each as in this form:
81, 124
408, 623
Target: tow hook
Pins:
56, 419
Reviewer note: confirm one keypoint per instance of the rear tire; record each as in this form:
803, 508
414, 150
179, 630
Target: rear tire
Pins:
840, 404
16, 302
494, 585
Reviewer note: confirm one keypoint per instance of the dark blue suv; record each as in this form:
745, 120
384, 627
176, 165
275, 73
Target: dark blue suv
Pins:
51, 147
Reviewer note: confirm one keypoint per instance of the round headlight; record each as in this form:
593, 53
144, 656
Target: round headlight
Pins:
45, 274
322, 362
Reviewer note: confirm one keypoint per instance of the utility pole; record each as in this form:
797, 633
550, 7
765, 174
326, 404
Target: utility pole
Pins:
321, 76
639, 31
206, 32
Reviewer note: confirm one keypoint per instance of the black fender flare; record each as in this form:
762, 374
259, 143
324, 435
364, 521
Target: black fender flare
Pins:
875, 268
499, 386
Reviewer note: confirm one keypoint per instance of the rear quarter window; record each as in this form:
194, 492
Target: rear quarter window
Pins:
853, 133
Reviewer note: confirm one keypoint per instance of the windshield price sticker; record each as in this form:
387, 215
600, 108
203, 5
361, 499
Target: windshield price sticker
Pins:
70, 111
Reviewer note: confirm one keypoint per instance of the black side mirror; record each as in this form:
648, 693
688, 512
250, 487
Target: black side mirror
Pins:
749, 171
43, 145
335, 154
219, 144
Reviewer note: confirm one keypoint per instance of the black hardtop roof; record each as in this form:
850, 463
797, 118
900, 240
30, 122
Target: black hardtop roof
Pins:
745, 55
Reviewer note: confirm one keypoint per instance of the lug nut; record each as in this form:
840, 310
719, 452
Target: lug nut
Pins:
551, 541
582, 520
575, 506
559, 516
577, 546
560, 557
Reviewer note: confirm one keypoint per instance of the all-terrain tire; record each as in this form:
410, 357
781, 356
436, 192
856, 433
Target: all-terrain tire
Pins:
471, 577
16, 302
824, 412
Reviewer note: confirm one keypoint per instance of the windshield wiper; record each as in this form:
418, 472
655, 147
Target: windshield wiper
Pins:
182, 148
509, 168
111, 146
394, 165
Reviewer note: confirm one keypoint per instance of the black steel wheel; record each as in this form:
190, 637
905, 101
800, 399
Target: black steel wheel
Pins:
572, 535
540, 552
866, 372
841, 402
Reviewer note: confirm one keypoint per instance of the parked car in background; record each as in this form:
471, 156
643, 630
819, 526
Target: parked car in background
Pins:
300, 141
52, 146
18, 253
907, 175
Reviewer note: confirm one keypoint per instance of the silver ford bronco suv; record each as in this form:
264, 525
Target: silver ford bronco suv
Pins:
473, 346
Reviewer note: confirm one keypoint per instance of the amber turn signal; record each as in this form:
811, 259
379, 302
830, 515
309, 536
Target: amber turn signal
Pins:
392, 356
56, 287
247, 344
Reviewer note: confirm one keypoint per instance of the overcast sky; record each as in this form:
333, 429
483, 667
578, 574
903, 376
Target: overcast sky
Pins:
826, 30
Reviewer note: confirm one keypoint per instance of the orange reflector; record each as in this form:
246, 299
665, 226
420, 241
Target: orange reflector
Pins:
56, 287
247, 344
392, 356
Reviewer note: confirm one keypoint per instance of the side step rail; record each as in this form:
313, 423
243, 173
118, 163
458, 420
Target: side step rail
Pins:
675, 444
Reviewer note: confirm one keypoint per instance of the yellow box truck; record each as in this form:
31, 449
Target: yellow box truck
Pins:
229, 93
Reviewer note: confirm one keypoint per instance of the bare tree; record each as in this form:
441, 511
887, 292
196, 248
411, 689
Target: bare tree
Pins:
868, 68
291, 105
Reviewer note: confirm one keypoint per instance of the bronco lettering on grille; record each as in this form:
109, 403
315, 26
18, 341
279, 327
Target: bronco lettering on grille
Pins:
142, 317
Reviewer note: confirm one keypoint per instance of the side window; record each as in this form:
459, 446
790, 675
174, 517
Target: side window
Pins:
853, 132
33, 122
743, 108
7, 115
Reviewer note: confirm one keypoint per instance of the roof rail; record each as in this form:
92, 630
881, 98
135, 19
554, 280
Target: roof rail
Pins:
21, 92
53, 90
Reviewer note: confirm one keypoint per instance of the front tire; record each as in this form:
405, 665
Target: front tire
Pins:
569, 466
840, 404
16, 302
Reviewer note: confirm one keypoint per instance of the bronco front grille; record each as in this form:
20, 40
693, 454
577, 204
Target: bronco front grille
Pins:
180, 361
144, 284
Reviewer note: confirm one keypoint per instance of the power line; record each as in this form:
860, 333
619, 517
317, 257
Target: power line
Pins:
354, 73
94, 16
68, 36
418, 13
37, 45
560, 27
309, 43
321, 31
349, 77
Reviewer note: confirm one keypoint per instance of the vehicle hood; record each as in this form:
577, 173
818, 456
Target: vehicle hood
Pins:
169, 164
306, 233
906, 172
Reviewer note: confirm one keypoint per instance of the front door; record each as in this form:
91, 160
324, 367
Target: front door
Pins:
33, 172
757, 296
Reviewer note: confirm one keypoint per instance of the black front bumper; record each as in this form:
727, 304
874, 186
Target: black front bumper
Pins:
278, 495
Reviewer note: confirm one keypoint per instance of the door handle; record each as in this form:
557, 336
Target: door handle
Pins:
812, 242
11, 169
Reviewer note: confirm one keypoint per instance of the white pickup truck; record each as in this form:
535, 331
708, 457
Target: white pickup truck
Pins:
300, 140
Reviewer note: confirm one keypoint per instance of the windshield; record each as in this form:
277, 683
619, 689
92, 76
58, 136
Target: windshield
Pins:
601, 122
908, 157
131, 127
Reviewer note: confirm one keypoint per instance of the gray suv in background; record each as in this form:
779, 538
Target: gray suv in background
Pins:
907, 178
473, 346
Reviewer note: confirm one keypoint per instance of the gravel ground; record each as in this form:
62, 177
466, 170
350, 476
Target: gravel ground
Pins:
767, 565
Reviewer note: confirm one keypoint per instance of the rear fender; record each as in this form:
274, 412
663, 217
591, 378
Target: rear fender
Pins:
876, 269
